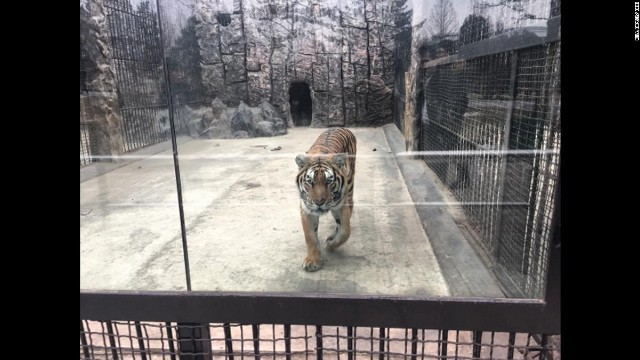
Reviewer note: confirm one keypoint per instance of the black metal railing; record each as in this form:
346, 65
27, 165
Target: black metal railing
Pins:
149, 340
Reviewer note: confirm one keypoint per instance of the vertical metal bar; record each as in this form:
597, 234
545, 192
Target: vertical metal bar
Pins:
406, 341
83, 341
338, 342
241, 342
350, 342
422, 344
143, 352
194, 341
273, 340
511, 345
255, 333
172, 349
543, 346
493, 333
174, 143
502, 171
381, 348
287, 341
444, 342
112, 340
306, 343
228, 343
318, 342
371, 339
414, 344
457, 343
477, 344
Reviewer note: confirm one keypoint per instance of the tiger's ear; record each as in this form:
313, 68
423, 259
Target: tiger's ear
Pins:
302, 160
338, 160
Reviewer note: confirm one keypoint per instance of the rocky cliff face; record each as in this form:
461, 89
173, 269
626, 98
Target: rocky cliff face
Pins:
255, 50
98, 102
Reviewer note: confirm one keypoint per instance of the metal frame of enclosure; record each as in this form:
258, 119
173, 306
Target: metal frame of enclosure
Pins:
211, 325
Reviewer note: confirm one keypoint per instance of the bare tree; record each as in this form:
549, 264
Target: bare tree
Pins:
518, 6
443, 20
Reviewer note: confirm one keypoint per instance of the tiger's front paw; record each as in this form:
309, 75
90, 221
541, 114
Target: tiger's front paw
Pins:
312, 263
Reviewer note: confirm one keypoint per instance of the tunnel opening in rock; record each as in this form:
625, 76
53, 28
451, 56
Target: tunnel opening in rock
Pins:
300, 103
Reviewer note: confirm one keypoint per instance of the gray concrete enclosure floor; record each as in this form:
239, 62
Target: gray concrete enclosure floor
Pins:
243, 225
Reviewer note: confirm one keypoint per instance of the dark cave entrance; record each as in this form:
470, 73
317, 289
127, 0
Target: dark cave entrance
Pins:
300, 103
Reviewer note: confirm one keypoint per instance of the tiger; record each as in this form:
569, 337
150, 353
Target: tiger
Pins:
325, 183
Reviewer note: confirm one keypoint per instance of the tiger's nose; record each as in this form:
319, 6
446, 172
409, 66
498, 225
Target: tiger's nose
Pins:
318, 201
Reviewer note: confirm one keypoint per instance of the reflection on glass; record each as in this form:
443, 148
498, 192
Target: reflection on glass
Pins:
457, 159
129, 221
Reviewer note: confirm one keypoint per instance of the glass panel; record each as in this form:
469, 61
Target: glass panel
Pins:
129, 221
443, 184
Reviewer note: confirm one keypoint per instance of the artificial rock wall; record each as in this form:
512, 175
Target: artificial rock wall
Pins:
253, 50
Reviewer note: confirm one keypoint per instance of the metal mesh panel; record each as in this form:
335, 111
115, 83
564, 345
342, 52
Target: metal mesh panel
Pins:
135, 340
531, 177
493, 126
466, 106
136, 46
85, 145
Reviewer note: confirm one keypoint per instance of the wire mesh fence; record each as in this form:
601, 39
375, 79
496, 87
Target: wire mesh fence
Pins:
135, 49
167, 340
531, 177
137, 57
497, 118
85, 145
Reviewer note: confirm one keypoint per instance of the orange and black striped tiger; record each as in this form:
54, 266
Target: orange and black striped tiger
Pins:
325, 183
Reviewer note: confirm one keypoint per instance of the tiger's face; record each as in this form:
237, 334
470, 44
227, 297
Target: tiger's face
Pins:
320, 182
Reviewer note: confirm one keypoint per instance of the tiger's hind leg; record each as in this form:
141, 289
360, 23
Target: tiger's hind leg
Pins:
343, 227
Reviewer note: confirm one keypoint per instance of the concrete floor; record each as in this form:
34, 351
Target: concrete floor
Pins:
243, 223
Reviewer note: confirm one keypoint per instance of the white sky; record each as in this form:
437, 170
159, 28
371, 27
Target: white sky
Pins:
422, 8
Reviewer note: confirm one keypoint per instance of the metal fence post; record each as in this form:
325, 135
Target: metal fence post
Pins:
194, 341
174, 143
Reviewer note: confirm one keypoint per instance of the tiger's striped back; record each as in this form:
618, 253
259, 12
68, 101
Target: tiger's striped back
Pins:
336, 141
